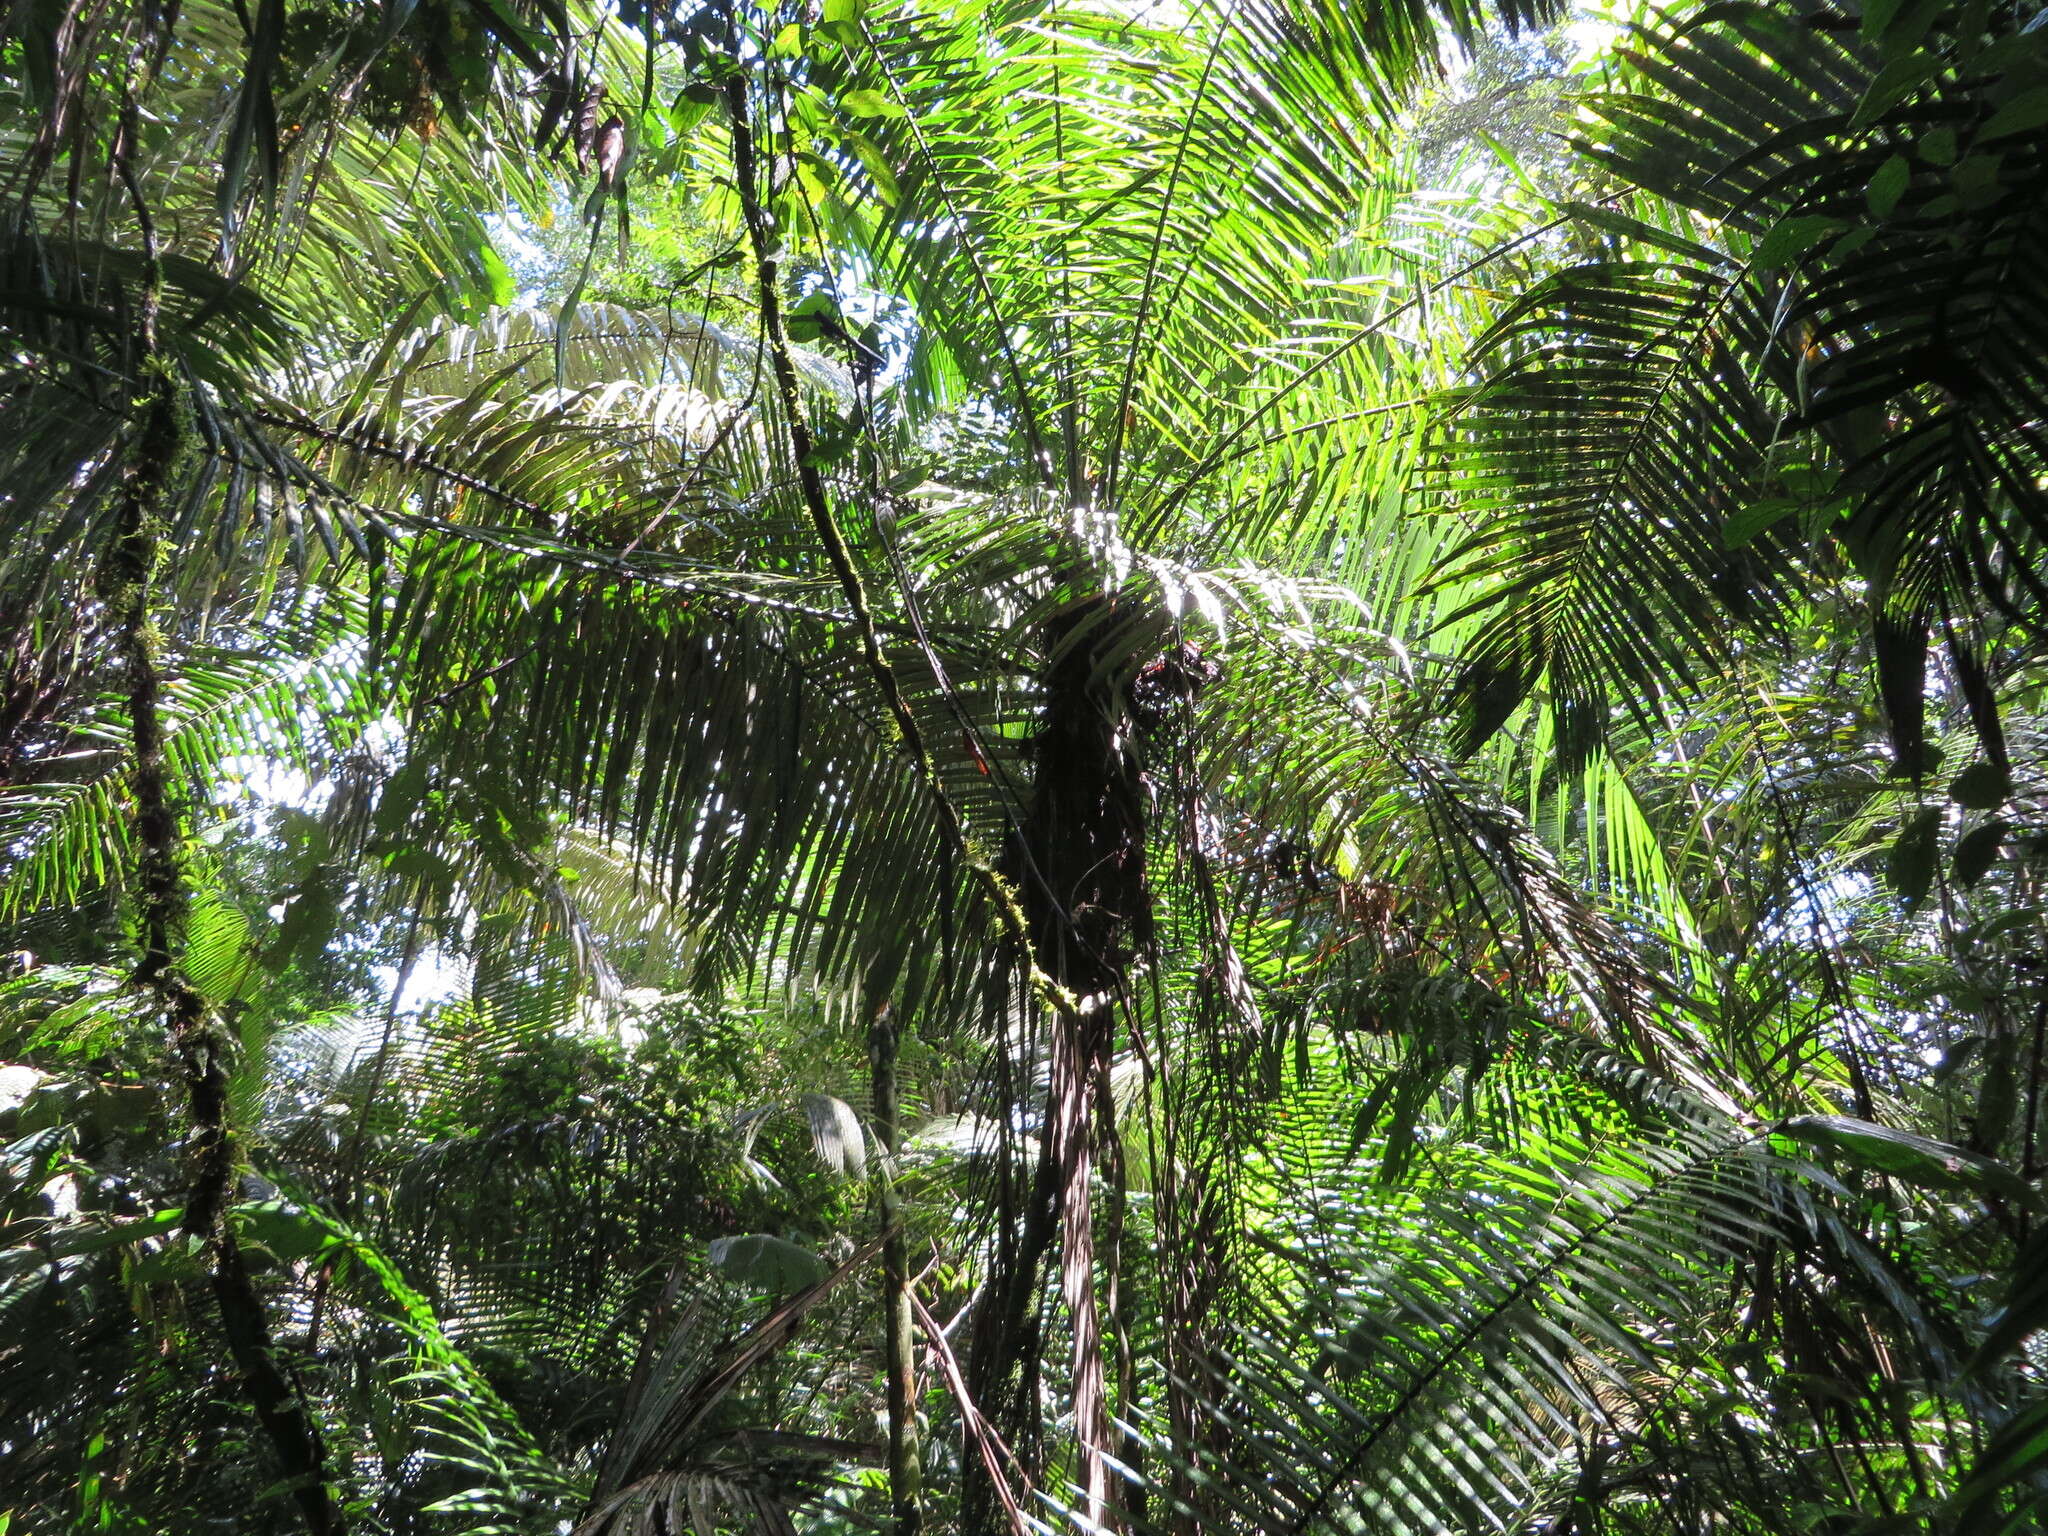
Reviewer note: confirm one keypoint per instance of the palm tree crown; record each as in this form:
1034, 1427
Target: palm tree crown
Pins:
1258, 766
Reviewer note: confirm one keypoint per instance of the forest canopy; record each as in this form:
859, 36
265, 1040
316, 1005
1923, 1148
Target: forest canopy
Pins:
1134, 767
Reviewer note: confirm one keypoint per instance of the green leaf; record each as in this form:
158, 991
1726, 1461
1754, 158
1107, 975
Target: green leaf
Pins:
1888, 186
2023, 114
1976, 180
876, 164
818, 176
687, 114
1792, 238
1806, 480
1906, 1155
1614, 222
76, 1242
870, 103
812, 316
498, 284
1981, 787
847, 11
836, 438
1976, 852
1910, 864
287, 1230
1998, 925
764, 1262
1744, 526
1894, 83
1902, 27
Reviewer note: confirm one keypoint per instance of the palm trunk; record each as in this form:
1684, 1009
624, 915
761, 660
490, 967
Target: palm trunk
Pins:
1083, 851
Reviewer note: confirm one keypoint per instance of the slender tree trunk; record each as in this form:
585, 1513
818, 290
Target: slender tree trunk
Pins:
197, 1042
906, 1472
1015, 920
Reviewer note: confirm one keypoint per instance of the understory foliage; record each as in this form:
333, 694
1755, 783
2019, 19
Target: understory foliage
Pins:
1225, 769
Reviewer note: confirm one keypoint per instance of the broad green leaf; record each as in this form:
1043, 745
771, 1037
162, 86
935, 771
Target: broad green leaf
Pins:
1910, 864
1981, 787
1937, 146
1976, 180
1888, 186
870, 103
1907, 1155
767, 1263
1899, 79
1756, 518
876, 164
814, 315
1792, 238
287, 1230
1976, 852
76, 1241
2023, 114
497, 280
